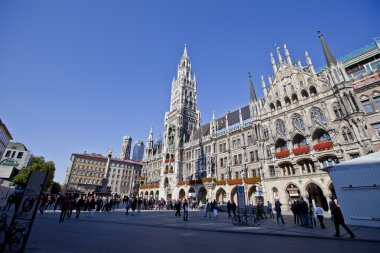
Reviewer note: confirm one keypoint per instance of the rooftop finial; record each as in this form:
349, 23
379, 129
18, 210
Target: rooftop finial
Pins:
252, 88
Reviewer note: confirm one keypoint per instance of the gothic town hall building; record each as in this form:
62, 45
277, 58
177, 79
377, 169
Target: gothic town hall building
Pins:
276, 146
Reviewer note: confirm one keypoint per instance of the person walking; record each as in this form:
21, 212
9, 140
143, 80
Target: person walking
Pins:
207, 209
319, 214
278, 211
91, 207
216, 206
178, 208
65, 206
233, 208
270, 210
229, 207
339, 220
134, 205
79, 206
185, 207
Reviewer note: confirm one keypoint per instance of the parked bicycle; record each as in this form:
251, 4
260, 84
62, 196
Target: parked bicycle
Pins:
13, 236
245, 218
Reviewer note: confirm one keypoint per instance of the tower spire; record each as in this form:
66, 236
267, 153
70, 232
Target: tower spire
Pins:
253, 97
263, 85
330, 59
185, 52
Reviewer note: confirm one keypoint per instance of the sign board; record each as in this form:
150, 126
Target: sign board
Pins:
276, 195
240, 196
26, 211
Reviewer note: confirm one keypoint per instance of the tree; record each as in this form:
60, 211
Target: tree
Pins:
37, 164
55, 188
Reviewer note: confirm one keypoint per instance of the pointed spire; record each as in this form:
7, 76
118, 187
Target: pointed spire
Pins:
274, 66
287, 54
213, 115
270, 80
309, 63
263, 85
253, 97
279, 54
330, 59
150, 137
185, 52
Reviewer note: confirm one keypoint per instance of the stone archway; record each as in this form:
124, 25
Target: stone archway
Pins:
151, 195
251, 195
157, 195
166, 182
221, 196
181, 194
316, 196
202, 194
146, 195
233, 195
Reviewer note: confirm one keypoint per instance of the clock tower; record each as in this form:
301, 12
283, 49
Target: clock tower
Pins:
182, 119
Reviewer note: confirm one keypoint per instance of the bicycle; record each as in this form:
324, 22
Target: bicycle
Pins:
244, 218
13, 236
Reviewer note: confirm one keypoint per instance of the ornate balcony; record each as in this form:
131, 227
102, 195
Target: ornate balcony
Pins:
301, 150
323, 145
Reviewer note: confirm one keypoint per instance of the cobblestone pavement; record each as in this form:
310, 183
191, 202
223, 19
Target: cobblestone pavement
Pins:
197, 221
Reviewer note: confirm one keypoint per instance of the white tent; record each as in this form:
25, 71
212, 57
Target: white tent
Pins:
357, 186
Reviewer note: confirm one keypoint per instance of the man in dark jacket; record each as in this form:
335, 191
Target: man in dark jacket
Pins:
229, 207
233, 208
79, 206
277, 207
178, 208
339, 220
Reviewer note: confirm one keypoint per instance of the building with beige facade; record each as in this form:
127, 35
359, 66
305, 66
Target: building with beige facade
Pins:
276, 146
86, 171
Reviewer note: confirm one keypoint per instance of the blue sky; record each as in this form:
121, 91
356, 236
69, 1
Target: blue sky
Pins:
77, 76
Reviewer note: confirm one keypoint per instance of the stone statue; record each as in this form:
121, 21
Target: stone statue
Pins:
110, 151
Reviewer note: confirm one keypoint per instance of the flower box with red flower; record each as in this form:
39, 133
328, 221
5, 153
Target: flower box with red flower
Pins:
220, 182
206, 180
181, 182
323, 145
301, 150
281, 154
234, 181
252, 180
171, 171
166, 160
171, 159
166, 172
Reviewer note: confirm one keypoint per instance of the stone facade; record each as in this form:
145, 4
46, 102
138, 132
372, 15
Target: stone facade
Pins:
86, 172
276, 146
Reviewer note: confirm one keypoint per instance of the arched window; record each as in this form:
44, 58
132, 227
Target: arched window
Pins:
266, 133
304, 94
294, 98
347, 134
313, 91
376, 100
280, 126
278, 104
272, 107
367, 105
337, 109
287, 100
317, 115
297, 121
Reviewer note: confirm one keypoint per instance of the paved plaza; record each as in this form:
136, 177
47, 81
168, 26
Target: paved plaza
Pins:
161, 231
